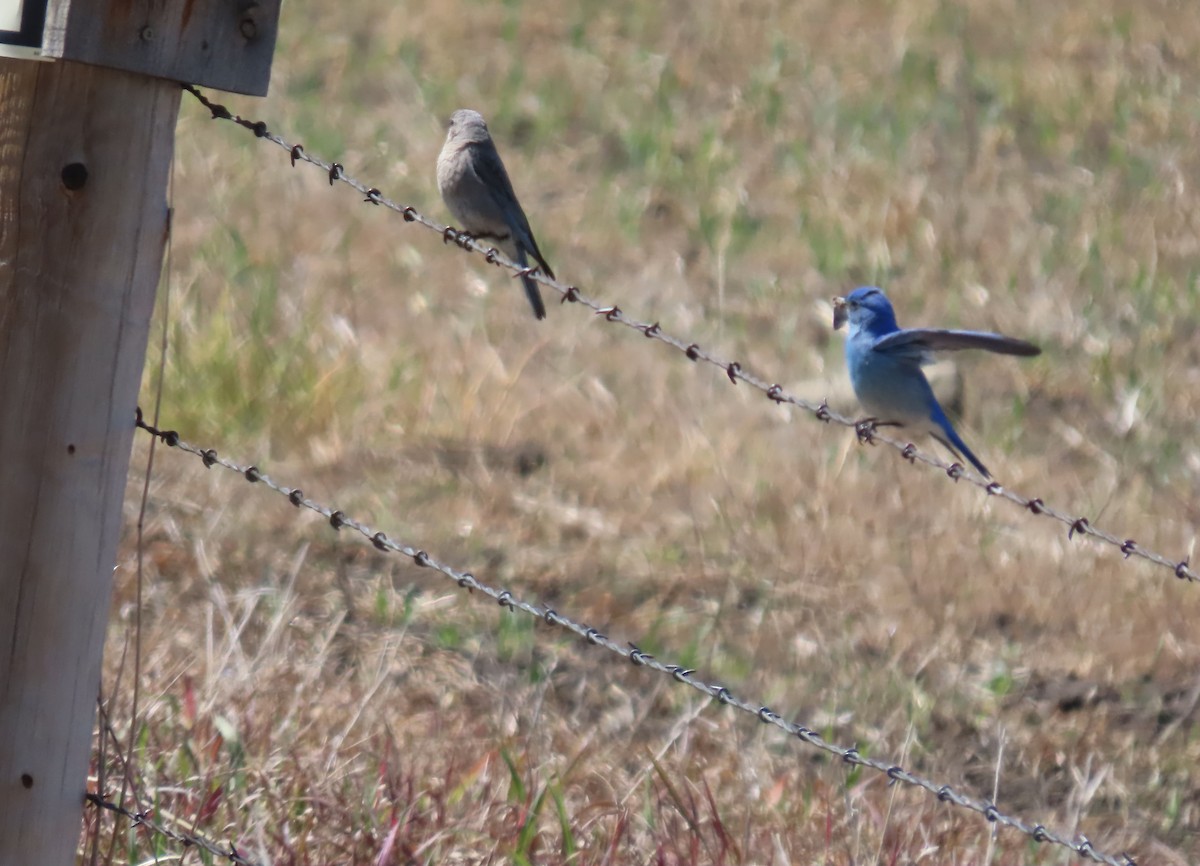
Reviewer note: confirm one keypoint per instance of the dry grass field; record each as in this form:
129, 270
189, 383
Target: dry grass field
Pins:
723, 167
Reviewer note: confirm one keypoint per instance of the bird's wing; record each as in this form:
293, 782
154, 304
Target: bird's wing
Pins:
492, 174
925, 341
495, 180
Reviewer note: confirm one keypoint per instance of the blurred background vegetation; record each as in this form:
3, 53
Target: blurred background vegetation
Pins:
723, 167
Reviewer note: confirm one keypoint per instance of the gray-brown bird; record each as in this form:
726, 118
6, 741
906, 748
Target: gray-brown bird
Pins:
476, 189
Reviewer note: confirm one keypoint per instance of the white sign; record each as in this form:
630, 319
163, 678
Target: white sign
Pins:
21, 23
10, 14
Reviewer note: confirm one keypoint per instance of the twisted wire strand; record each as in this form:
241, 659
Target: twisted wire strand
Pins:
229, 853
339, 520
1077, 525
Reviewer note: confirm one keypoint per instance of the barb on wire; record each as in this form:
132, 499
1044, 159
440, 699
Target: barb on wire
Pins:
188, 840
505, 598
734, 370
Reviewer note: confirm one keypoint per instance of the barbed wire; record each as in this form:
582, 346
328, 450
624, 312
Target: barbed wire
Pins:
141, 817
505, 598
188, 840
1077, 525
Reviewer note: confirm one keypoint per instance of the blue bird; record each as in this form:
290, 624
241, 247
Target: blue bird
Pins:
885, 363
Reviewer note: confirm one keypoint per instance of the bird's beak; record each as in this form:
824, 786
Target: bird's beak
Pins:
839, 312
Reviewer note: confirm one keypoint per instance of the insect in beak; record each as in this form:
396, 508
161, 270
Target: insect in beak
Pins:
840, 312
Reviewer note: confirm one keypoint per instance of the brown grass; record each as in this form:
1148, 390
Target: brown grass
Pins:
723, 167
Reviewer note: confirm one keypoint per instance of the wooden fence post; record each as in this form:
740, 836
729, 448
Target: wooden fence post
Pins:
85, 154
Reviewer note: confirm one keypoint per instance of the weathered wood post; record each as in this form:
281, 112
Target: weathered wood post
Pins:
86, 144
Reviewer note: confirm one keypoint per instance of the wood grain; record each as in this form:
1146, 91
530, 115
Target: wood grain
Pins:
226, 44
84, 161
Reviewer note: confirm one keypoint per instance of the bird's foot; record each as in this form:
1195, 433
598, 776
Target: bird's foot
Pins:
456, 236
865, 430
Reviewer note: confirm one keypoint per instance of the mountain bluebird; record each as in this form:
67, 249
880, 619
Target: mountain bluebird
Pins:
477, 191
885, 365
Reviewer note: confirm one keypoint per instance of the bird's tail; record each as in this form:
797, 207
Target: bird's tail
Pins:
531, 287
954, 442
